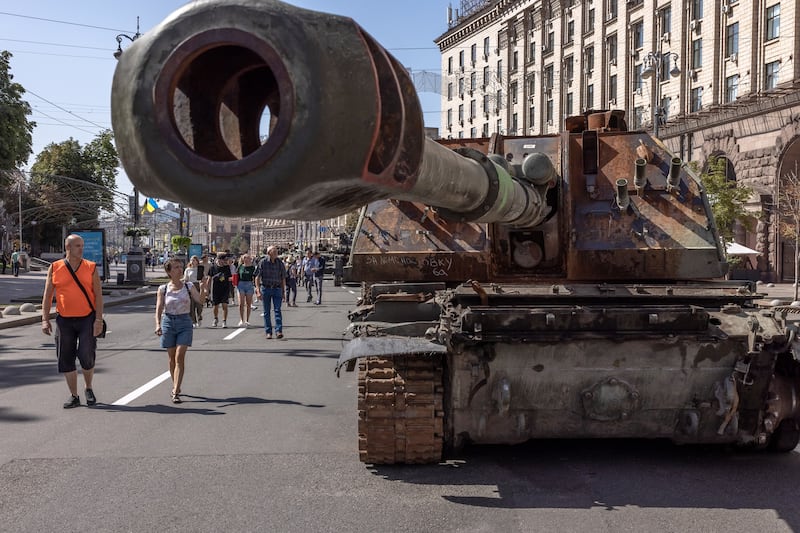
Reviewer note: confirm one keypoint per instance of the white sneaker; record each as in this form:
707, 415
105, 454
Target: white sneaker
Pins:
224, 324
215, 324
241, 323
247, 324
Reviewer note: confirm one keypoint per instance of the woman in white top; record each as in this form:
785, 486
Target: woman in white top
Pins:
191, 273
173, 322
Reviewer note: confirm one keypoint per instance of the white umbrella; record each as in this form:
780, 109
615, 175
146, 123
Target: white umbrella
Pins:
735, 248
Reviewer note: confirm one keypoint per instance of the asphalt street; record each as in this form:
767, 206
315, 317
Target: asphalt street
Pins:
266, 441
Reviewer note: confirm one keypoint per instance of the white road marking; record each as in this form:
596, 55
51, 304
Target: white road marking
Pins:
232, 335
125, 400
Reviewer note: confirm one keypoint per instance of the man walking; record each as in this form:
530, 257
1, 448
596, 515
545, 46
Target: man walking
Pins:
79, 304
15, 263
319, 274
271, 287
308, 267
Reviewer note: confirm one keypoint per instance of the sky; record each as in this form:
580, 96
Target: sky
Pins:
63, 53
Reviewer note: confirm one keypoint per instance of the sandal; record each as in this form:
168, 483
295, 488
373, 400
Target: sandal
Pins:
176, 398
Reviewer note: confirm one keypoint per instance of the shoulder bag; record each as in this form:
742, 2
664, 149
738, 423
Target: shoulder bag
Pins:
102, 334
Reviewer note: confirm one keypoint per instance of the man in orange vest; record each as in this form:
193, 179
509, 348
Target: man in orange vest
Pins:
80, 316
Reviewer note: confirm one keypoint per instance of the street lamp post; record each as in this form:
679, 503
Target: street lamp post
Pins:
654, 66
118, 52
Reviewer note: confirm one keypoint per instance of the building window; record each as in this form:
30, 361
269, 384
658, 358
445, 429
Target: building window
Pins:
500, 70
486, 77
551, 40
548, 77
532, 85
666, 102
637, 30
461, 60
449, 118
473, 109
461, 134
498, 101
771, 74
515, 60
696, 103
589, 59
569, 70
611, 48
450, 91
473, 81
460, 113
590, 20
485, 131
514, 124
461, 87
697, 54
532, 52
570, 31
531, 116
473, 132
450, 65
638, 117
612, 10
513, 90
590, 96
549, 112
773, 22
486, 48
568, 109
637, 78
499, 125
731, 88
473, 53
697, 9
665, 66
485, 103
665, 19
732, 39
612, 87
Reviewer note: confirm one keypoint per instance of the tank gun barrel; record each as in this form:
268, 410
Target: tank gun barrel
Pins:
257, 107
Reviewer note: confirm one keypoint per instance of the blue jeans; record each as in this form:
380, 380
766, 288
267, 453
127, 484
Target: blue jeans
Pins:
276, 297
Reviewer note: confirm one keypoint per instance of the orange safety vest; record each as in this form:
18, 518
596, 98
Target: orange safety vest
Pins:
70, 301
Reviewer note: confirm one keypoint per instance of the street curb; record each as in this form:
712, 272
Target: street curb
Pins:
32, 318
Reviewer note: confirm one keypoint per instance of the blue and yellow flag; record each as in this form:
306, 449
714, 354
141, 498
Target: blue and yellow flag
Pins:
149, 206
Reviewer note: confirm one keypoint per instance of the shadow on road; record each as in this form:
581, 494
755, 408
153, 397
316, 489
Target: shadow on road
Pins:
613, 474
244, 400
6, 415
20, 372
162, 409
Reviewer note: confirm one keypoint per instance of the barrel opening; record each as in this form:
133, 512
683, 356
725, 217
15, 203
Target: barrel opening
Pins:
224, 103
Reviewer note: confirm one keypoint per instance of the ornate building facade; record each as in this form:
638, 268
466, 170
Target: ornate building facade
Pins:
711, 78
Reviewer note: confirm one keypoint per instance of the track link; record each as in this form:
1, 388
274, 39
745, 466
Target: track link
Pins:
400, 413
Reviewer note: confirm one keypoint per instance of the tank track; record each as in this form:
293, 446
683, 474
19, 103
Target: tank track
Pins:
400, 413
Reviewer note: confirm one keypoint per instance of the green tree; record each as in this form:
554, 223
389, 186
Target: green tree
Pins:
15, 128
727, 198
789, 209
72, 184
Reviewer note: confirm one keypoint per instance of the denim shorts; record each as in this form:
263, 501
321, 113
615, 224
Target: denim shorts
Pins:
246, 287
176, 330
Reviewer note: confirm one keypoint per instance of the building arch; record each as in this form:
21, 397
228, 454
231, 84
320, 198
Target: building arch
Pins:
788, 163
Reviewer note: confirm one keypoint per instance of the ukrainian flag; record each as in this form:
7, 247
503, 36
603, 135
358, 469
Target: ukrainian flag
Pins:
149, 206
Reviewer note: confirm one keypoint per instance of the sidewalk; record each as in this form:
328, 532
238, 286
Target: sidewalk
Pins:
29, 286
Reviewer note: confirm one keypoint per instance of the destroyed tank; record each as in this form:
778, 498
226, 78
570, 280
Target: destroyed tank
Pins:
514, 288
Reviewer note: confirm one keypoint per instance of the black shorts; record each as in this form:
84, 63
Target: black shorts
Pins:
75, 338
221, 293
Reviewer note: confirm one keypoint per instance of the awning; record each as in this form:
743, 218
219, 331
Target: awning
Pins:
735, 248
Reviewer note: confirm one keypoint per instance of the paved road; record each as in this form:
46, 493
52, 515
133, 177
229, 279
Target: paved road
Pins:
266, 442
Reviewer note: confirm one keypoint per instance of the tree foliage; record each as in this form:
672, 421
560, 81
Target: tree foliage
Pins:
15, 128
71, 183
727, 198
789, 209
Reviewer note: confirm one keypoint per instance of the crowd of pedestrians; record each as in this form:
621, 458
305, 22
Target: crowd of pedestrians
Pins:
180, 303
